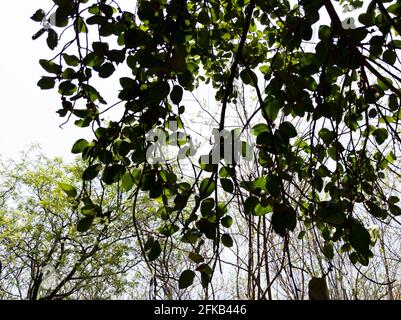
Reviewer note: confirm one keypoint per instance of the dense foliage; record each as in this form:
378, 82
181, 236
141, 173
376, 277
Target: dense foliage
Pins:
325, 124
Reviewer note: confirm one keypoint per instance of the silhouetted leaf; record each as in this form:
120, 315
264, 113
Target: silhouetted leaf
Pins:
186, 279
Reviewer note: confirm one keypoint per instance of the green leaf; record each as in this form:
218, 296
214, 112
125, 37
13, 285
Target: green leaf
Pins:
127, 83
203, 17
168, 230
324, 32
226, 240
394, 8
389, 56
112, 174
106, 70
61, 16
149, 243
50, 66
85, 223
318, 289
71, 60
273, 184
380, 135
38, 34
70, 190
196, 257
271, 109
206, 188
301, 235
328, 250
205, 269
159, 91
67, 88
227, 221
366, 19
249, 77
260, 128
93, 60
124, 148
287, 130
186, 279
203, 39
185, 79
46, 83
79, 146
52, 39
395, 210
227, 185
205, 279
207, 206
359, 237
80, 25
178, 60
134, 38
176, 94
127, 182
376, 211
250, 204
155, 251
39, 15
284, 219
326, 135
331, 212
91, 172
332, 152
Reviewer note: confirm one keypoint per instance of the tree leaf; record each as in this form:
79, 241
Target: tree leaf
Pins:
46, 83
250, 204
226, 240
331, 212
186, 279
52, 39
380, 135
70, 190
39, 15
227, 185
127, 182
318, 289
196, 257
155, 251
176, 94
85, 223
206, 188
91, 172
113, 173
207, 206
79, 146
71, 60
284, 219
328, 250
227, 221
359, 238
287, 130
389, 56
50, 66
106, 70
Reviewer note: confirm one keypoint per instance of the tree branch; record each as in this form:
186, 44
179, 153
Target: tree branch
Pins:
342, 32
233, 70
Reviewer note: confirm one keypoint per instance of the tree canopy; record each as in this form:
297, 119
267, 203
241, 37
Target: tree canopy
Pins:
305, 111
